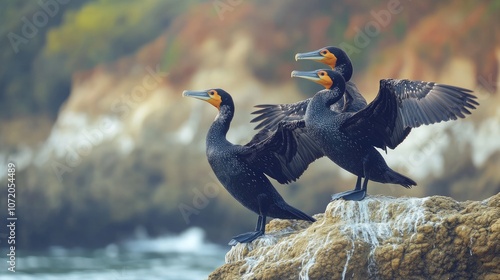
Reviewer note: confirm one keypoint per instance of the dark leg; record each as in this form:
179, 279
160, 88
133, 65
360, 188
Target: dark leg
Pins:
259, 223
365, 184
260, 228
358, 183
359, 192
343, 194
263, 225
357, 195
250, 236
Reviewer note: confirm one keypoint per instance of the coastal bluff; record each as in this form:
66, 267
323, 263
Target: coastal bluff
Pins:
378, 238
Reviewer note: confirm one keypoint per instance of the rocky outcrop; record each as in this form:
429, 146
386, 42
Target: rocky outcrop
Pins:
378, 238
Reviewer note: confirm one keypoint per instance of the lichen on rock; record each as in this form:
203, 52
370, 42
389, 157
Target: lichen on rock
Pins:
377, 238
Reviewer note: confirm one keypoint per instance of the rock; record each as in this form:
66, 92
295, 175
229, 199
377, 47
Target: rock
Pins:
378, 238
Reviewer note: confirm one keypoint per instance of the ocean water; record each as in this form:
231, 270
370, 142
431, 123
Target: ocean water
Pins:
183, 257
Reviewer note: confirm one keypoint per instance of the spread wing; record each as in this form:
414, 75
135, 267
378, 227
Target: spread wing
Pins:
270, 115
375, 125
427, 102
283, 154
403, 104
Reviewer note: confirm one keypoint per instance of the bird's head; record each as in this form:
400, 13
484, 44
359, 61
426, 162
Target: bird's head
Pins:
328, 78
217, 97
334, 57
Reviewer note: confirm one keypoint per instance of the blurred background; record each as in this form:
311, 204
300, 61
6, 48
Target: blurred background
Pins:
112, 178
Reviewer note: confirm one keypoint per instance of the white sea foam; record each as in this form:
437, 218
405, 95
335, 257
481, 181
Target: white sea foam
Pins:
184, 256
190, 241
371, 221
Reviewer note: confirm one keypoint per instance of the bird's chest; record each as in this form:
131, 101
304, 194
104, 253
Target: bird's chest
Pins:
328, 133
324, 131
230, 170
221, 160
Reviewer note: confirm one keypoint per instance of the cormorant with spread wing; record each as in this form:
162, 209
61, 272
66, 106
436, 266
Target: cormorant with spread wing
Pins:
241, 169
349, 138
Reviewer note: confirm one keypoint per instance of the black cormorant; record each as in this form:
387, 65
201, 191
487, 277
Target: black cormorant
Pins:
240, 169
270, 114
349, 138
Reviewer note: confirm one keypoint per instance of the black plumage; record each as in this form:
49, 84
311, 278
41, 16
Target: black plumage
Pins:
269, 115
241, 169
349, 138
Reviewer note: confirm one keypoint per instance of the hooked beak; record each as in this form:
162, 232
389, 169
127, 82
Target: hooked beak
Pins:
308, 75
314, 55
198, 94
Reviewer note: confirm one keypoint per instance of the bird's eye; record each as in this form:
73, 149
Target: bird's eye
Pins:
321, 73
323, 52
212, 92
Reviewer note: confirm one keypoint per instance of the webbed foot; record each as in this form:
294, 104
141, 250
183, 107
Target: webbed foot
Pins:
354, 195
246, 237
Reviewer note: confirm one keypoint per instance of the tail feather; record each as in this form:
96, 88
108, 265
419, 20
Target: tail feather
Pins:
294, 213
396, 178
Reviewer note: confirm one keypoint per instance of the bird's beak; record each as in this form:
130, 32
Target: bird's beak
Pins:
314, 55
211, 96
198, 94
308, 75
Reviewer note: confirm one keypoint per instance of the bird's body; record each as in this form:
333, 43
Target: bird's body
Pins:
324, 128
242, 180
349, 138
363, 160
241, 169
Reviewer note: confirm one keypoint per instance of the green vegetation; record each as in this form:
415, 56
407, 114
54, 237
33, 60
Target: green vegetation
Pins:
36, 76
172, 55
19, 49
105, 30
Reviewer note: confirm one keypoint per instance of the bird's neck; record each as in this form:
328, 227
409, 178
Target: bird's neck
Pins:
323, 99
345, 70
331, 96
219, 128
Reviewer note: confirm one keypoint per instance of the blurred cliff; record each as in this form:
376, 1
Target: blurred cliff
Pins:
92, 114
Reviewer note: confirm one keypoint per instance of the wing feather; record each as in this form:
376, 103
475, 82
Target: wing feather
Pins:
270, 115
404, 104
284, 153
425, 103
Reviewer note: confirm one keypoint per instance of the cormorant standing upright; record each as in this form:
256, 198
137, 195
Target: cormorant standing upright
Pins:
241, 169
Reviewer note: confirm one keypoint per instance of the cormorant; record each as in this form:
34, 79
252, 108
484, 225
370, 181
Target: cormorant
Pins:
270, 114
349, 138
240, 169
